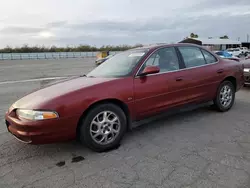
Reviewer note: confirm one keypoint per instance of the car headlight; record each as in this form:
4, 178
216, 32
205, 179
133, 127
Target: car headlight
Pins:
246, 69
36, 115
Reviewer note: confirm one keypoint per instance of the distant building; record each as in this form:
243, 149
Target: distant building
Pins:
212, 43
246, 44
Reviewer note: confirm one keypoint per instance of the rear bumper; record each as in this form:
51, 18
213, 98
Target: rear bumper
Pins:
240, 82
42, 132
247, 77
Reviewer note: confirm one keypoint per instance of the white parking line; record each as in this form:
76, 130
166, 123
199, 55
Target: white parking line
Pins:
30, 80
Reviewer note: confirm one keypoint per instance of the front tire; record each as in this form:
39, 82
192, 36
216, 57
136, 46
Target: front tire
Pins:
225, 96
103, 127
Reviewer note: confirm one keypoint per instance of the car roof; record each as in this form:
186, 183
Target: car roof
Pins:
161, 45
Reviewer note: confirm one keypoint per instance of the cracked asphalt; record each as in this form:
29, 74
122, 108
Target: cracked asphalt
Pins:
201, 148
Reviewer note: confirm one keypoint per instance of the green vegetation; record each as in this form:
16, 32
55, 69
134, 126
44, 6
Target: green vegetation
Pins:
224, 37
192, 35
80, 48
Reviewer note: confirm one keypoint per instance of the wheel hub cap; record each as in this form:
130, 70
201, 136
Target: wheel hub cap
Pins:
226, 96
105, 127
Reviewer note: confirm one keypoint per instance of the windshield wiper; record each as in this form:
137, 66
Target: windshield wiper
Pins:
84, 75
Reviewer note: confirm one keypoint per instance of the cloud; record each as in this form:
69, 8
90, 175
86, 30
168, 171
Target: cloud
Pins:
120, 26
122, 22
20, 30
32, 30
222, 3
56, 24
206, 25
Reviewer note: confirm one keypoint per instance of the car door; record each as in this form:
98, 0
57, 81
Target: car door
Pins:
157, 92
215, 71
201, 73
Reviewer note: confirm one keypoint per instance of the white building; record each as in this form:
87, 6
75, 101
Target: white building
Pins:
213, 43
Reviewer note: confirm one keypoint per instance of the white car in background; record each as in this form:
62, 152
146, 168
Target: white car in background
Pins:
245, 50
236, 52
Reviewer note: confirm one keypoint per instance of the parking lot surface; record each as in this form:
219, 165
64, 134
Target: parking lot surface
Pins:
196, 149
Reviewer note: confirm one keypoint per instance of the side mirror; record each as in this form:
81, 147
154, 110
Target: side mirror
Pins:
150, 70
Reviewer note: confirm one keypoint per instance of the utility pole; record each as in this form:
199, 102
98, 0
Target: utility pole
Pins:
247, 37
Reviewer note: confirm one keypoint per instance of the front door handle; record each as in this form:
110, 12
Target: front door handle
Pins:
179, 79
220, 71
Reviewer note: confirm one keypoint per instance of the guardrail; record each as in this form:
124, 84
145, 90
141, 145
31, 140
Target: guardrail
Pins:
48, 55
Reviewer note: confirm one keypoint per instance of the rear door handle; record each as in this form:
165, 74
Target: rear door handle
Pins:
220, 71
179, 79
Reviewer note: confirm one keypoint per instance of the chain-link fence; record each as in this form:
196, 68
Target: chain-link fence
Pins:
48, 55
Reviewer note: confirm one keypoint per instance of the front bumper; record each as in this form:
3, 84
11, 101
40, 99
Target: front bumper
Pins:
43, 131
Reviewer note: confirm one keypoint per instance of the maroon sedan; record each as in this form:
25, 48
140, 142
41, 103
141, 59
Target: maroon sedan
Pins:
133, 85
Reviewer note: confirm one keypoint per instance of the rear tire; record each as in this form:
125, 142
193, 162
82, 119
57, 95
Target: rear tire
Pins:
225, 96
103, 128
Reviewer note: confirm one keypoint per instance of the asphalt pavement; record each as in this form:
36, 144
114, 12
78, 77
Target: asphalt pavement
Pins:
196, 149
18, 78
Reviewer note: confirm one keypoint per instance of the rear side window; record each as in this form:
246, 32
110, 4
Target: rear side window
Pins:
192, 56
209, 57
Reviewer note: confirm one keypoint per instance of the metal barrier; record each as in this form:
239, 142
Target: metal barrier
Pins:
48, 55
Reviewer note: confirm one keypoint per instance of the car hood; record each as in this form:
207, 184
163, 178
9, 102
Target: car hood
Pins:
52, 91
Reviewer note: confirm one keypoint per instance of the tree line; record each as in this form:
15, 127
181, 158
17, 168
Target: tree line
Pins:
81, 48
193, 35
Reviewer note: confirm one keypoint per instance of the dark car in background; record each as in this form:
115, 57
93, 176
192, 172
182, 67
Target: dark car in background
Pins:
136, 84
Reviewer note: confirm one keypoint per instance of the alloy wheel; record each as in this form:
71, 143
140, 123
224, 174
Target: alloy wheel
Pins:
105, 127
226, 96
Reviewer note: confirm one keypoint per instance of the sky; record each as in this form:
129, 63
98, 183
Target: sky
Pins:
116, 22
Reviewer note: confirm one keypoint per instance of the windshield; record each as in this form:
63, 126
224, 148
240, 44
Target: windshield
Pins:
119, 65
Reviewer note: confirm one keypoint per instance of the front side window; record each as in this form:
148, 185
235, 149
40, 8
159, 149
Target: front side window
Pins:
192, 56
122, 64
209, 57
166, 59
